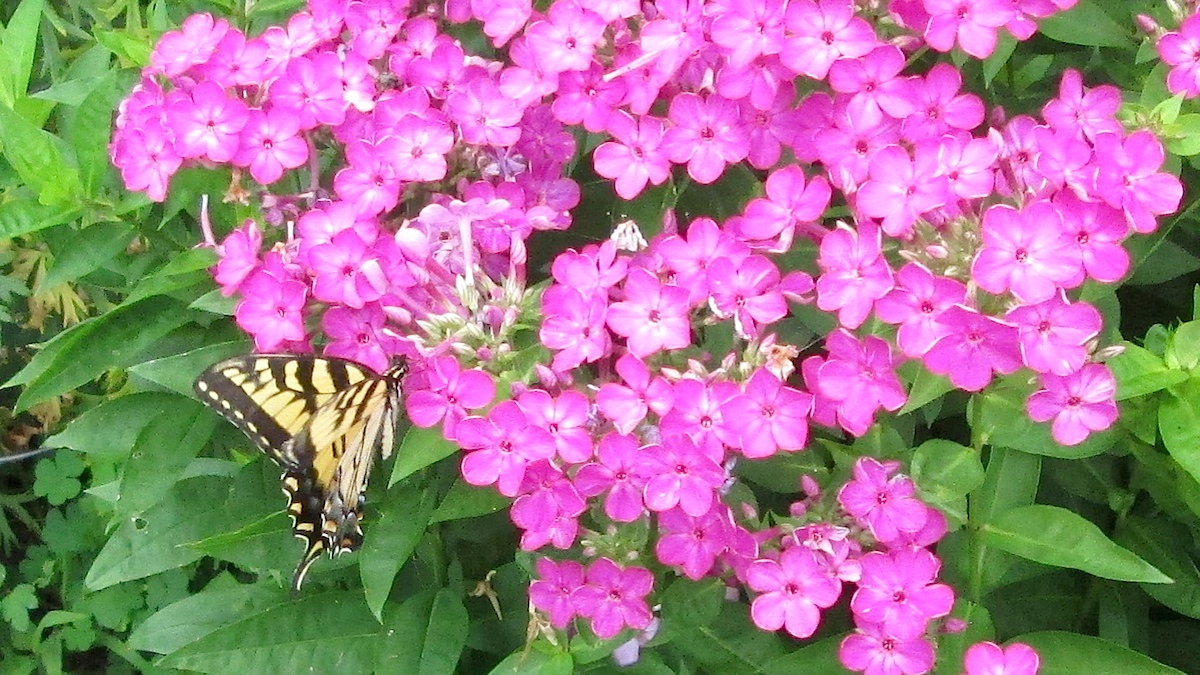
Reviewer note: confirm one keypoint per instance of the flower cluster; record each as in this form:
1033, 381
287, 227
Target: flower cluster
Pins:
409, 173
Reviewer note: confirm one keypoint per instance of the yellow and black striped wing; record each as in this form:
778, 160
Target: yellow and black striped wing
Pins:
322, 420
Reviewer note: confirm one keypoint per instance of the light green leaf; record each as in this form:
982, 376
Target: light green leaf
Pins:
1159, 541
1055, 536
392, 536
39, 159
468, 501
816, 658
1179, 423
447, 634
193, 617
164, 448
179, 371
1088, 25
112, 427
24, 216
419, 449
1140, 372
1064, 653
87, 251
19, 45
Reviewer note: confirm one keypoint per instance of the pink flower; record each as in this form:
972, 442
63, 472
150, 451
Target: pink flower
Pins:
271, 309
897, 590
614, 598
500, 446
574, 325
451, 392
1026, 252
970, 23
854, 273
749, 30
653, 317
270, 144
623, 471
688, 259
794, 590
901, 189
193, 44
547, 508
769, 415
1084, 113
861, 378
989, 658
1079, 403
627, 406
565, 418
916, 303
1054, 334
693, 543
566, 39
789, 204
207, 123
551, 592
975, 347
940, 108
637, 155
239, 257
706, 134
697, 412
1181, 50
823, 32
1128, 178
874, 651
881, 502
875, 78
686, 477
749, 292
360, 335
1098, 230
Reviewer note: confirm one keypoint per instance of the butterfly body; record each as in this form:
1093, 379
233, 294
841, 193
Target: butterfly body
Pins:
322, 420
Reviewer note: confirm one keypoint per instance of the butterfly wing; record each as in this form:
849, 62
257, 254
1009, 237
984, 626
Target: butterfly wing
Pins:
321, 420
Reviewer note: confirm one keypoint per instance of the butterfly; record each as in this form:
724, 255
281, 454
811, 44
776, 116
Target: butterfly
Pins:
322, 420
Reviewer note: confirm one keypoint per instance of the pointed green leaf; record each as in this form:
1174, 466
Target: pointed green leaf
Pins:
1055, 536
391, 537
112, 427
166, 446
1064, 653
195, 616
419, 449
468, 501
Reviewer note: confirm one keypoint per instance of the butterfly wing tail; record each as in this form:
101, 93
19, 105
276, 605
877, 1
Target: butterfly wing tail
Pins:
315, 548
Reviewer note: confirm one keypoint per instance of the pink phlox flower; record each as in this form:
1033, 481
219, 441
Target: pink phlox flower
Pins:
369, 179
970, 23
1018, 155
854, 273
749, 292
347, 271
931, 533
449, 394
1027, 252
373, 25
882, 502
692, 543
311, 89
685, 477
940, 108
1083, 112
653, 317
976, 347
237, 61
594, 270
1180, 49
360, 335
836, 550
789, 204
502, 19
824, 409
147, 159
900, 189
440, 72
483, 115
628, 405
857, 130
769, 415
897, 590
706, 134
574, 327
419, 36
1128, 178
585, 97
812, 115
565, 417
861, 377
666, 43
419, 147
1098, 230
544, 140
821, 32
915, 303
207, 122
238, 257
968, 166
547, 508
747, 31
566, 39
270, 144
872, 650
622, 470
1055, 334
271, 309
1064, 160
875, 78
989, 658
697, 412
793, 590
319, 226
193, 44
770, 127
1023, 25
551, 592
500, 446
1079, 403
763, 86
687, 257
614, 598
636, 156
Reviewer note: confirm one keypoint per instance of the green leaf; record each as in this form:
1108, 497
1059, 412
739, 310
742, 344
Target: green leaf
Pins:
1140, 372
195, 616
24, 216
38, 158
926, 387
425, 635
164, 448
1011, 480
85, 351
16, 605
87, 251
179, 371
1160, 542
816, 658
1088, 25
1064, 653
731, 644
112, 427
19, 46
687, 604
1055, 536
468, 501
1004, 422
403, 514
419, 449
322, 633
1179, 423
946, 468
535, 663
91, 128
158, 540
